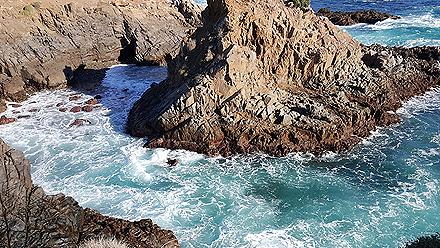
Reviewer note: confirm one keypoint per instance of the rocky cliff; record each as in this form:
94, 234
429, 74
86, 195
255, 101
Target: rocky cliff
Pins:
43, 43
259, 76
30, 218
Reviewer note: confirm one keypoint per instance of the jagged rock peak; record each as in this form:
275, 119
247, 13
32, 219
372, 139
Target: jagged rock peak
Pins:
262, 77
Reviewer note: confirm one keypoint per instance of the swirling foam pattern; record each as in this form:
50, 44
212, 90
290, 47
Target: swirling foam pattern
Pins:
381, 194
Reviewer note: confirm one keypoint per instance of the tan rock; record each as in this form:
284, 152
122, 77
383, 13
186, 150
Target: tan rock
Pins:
318, 89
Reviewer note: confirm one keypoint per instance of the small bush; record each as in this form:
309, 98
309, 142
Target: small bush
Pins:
303, 4
430, 241
104, 243
29, 9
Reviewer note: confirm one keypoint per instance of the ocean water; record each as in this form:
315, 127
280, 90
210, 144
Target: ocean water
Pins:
419, 25
381, 194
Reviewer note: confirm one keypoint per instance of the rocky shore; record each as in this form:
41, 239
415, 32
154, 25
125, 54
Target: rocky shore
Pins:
49, 44
263, 77
53, 44
350, 18
30, 218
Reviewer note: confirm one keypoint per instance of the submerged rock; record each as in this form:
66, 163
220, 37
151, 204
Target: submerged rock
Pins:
75, 109
263, 77
74, 97
79, 122
30, 218
351, 18
87, 108
92, 101
6, 120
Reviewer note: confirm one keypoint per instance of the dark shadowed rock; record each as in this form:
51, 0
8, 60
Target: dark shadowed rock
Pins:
30, 218
62, 109
263, 77
428, 241
172, 162
350, 18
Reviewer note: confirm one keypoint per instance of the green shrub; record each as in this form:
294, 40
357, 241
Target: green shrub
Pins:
27, 10
303, 4
30, 8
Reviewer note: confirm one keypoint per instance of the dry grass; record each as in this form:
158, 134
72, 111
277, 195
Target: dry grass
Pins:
104, 243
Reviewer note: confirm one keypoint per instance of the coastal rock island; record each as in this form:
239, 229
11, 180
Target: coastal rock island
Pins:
350, 18
260, 76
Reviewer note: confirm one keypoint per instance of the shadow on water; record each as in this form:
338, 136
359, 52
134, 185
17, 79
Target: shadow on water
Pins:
117, 88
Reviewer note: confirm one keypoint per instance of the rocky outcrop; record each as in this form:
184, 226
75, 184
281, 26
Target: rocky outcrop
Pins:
30, 218
263, 77
46, 44
351, 18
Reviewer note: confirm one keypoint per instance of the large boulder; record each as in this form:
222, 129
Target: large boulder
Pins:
263, 77
43, 44
30, 218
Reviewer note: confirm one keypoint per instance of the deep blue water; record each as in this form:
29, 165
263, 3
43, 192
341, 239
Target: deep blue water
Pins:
420, 23
381, 194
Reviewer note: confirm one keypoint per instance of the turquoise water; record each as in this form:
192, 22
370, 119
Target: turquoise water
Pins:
420, 23
381, 194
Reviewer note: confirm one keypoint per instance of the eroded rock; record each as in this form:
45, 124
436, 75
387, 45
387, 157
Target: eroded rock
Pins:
263, 77
30, 218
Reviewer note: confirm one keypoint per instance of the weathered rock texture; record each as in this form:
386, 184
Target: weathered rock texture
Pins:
42, 44
263, 77
30, 218
350, 18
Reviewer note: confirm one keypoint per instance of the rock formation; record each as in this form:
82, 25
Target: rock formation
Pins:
43, 44
30, 218
262, 77
350, 18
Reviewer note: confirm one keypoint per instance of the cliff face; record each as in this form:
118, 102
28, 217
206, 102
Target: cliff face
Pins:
30, 218
42, 44
263, 77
